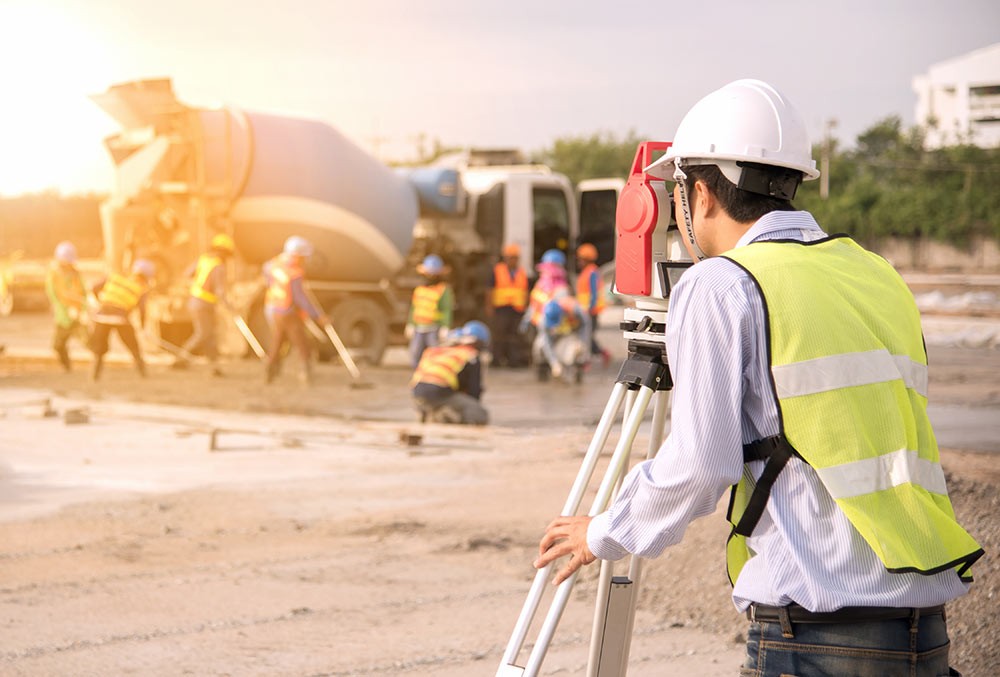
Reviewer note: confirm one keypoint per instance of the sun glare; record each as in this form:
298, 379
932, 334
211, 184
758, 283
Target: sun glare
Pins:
50, 133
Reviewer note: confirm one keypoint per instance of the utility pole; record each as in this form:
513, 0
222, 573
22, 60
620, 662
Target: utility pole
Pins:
824, 168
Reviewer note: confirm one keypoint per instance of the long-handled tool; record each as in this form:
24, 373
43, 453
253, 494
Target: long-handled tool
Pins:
328, 332
331, 334
176, 351
244, 328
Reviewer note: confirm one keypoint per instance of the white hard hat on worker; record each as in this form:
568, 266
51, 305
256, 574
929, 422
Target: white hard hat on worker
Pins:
746, 121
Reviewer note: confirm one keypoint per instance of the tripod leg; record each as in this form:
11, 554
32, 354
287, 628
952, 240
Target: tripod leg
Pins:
571, 506
619, 461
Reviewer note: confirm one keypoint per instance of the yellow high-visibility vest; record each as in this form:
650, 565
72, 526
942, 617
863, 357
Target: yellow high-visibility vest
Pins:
510, 291
427, 304
206, 264
849, 371
441, 365
122, 292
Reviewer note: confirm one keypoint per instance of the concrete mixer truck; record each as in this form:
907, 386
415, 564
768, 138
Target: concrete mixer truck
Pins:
185, 173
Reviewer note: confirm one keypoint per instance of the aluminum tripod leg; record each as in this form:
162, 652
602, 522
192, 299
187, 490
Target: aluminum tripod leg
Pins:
614, 610
617, 465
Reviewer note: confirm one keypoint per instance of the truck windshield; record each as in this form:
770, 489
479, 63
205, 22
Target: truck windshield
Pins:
551, 220
597, 222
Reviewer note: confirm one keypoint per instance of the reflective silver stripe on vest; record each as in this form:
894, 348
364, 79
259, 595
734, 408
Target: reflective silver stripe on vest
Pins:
883, 472
848, 369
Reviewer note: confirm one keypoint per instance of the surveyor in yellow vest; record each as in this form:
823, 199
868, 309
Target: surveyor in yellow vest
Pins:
590, 294
207, 293
117, 296
430, 308
68, 300
801, 380
447, 385
506, 299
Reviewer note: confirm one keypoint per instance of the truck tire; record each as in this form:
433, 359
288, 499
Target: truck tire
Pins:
363, 326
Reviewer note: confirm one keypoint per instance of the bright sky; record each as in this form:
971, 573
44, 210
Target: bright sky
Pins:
515, 73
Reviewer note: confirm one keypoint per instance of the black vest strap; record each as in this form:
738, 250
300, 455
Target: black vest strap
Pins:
775, 451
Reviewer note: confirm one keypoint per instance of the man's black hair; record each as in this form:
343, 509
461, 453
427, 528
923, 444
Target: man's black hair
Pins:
741, 205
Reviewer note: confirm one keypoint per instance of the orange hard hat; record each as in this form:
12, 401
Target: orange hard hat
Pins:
512, 249
587, 252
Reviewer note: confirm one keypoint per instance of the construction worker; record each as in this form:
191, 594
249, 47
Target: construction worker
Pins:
430, 308
551, 284
117, 296
800, 386
286, 304
68, 298
506, 299
562, 346
590, 294
207, 292
448, 382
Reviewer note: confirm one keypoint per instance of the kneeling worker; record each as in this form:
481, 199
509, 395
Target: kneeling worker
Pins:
448, 381
563, 341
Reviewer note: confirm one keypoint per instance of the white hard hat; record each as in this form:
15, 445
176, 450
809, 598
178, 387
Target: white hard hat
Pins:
299, 246
744, 121
66, 252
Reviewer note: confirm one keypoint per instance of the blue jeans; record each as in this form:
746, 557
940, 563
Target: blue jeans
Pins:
874, 649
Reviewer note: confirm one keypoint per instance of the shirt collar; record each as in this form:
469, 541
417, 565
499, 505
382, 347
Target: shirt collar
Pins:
796, 225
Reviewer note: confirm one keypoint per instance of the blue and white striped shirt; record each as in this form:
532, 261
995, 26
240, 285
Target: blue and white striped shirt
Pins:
807, 552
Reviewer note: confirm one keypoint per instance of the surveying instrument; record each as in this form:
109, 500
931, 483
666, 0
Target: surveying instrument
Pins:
649, 259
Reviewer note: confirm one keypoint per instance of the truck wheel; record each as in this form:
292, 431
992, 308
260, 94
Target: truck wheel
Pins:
363, 326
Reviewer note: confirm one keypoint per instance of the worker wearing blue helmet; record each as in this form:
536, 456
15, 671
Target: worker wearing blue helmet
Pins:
562, 346
448, 382
430, 308
552, 283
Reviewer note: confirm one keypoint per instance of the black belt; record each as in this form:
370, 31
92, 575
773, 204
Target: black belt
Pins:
760, 613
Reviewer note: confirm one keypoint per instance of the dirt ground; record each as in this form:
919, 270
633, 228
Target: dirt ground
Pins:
313, 540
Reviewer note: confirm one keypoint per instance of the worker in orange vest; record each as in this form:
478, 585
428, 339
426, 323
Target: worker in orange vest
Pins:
551, 284
207, 291
286, 303
590, 294
430, 308
506, 299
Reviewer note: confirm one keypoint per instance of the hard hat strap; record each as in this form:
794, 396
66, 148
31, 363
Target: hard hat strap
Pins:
687, 223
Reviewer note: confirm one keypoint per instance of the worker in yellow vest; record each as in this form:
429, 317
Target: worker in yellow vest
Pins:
286, 304
207, 293
551, 284
117, 296
506, 300
590, 294
430, 308
68, 299
448, 383
800, 388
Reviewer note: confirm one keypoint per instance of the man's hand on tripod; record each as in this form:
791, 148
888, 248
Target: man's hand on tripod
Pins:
565, 536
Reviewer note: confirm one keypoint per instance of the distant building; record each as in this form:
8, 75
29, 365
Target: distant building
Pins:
958, 101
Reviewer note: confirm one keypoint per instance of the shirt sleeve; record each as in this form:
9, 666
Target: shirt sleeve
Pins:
708, 345
446, 305
595, 289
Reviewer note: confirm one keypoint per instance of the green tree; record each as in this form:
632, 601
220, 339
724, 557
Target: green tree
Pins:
597, 155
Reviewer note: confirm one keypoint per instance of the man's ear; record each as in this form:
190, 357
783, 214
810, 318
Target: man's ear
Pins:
704, 198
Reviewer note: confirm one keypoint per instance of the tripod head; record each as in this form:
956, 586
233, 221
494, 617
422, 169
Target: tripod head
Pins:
649, 254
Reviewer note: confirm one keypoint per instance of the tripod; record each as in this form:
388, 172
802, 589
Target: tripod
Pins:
643, 376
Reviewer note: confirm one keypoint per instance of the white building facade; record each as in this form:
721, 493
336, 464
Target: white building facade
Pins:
958, 101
